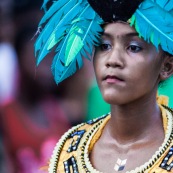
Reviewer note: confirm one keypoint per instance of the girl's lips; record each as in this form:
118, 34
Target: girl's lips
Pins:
112, 79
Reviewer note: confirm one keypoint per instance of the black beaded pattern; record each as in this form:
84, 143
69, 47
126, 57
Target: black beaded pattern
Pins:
168, 108
85, 143
67, 135
71, 162
164, 164
62, 142
74, 144
97, 119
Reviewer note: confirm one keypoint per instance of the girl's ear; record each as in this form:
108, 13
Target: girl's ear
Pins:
167, 67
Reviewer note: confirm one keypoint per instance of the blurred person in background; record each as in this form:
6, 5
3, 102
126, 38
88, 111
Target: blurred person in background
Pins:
34, 119
41, 111
8, 59
8, 75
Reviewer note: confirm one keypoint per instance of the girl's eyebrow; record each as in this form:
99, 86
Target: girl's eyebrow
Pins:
131, 34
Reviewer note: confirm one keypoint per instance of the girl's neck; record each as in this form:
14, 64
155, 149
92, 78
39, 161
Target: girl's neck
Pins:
135, 121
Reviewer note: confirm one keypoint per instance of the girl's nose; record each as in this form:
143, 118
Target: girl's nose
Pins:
115, 59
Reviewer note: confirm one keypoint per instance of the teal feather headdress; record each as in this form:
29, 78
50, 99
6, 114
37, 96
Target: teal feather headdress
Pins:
74, 27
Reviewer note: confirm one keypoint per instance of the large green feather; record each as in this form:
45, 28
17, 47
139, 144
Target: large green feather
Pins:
74, 27
73, 57
74, 45
59, 59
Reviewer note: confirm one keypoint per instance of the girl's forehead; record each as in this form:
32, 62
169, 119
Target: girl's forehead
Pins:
119, 29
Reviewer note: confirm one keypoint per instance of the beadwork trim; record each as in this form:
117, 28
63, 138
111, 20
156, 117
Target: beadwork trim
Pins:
147, 165
87, 162
83, 150
57, 150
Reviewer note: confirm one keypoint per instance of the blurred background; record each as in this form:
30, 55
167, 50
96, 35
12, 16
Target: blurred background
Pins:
34, 111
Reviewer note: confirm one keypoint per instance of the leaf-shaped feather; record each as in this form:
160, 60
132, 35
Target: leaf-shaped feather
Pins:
48, 29
75, 42
59, 58
154, 24
74, 28
165, 4
44, 5
87, 47
73, 47
61, 50
59, 27
57, 5
65, 72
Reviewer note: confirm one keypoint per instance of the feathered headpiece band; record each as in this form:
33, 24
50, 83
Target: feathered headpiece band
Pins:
73, 27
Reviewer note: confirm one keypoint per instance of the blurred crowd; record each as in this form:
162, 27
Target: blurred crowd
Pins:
34, 111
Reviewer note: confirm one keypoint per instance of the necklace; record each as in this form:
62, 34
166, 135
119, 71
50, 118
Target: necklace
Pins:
120, 165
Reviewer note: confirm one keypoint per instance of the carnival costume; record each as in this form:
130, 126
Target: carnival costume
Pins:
71, 153
72, 28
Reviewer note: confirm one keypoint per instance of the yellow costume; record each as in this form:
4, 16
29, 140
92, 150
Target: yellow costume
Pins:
71, 154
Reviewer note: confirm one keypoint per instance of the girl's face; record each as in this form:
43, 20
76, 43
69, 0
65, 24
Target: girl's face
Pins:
127, 68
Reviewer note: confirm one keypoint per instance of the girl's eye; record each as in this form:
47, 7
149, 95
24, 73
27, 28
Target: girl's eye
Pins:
134, 48
105, 46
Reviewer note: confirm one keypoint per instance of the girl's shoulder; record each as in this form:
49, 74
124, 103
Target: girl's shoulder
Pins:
68, 152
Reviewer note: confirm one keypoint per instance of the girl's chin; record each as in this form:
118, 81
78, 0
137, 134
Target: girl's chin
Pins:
118, 99
111, 100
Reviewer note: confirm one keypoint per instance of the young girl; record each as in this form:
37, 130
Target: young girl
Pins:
129, 63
